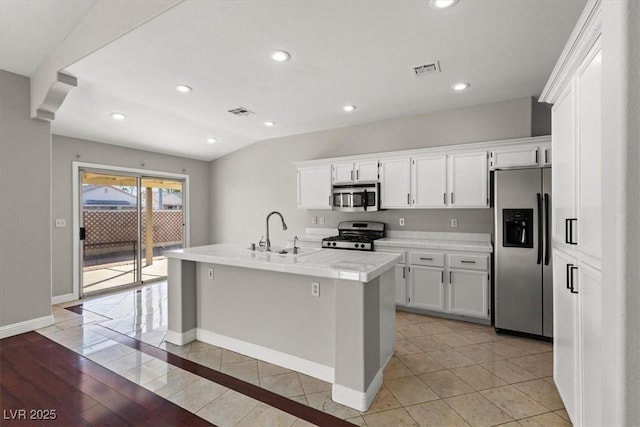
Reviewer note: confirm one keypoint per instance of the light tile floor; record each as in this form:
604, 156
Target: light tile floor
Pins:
444, 372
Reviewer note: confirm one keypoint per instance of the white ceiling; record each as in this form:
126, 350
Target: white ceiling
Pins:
30, 29
343, 52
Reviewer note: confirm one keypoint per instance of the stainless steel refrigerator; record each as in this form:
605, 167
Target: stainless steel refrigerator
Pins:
523, 297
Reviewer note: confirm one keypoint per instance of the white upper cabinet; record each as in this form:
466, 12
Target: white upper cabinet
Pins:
349, 173
514, 158
429, 182
577, 176
562, 173
589, 158
314, 187
395, 187
343, 173
468, 180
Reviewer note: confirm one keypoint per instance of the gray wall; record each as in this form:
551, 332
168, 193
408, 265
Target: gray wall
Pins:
66, 150
248, 184
25, 205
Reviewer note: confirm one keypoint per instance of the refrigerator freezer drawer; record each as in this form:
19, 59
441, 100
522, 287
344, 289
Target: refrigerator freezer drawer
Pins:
469, 262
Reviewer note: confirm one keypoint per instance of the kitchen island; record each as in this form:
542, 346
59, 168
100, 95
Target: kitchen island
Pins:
326, 313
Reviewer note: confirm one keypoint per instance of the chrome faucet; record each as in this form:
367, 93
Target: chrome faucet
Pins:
284, 227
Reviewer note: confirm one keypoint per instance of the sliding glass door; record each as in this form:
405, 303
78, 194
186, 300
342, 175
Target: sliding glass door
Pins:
127, 222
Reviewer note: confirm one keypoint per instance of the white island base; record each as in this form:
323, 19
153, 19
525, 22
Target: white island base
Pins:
343, 336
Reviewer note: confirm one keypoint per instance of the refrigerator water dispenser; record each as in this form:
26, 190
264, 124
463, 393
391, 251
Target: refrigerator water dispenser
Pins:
518, 228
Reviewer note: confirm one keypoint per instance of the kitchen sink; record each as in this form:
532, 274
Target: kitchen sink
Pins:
286, 251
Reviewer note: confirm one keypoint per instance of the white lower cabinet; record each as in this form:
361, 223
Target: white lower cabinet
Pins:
426, 287
401, 284
577, 357
453, 282
468, 292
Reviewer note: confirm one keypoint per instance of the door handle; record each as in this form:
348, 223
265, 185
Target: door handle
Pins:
539, 197
571, 270
569, 275
568, 230
547, 230
83, 233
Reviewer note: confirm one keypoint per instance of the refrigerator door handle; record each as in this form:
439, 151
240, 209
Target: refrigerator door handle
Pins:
539, 196
547, 230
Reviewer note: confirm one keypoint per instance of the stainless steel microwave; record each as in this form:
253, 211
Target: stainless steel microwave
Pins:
356, 198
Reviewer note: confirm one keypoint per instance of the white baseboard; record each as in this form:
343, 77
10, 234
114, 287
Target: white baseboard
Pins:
355, 399
313, 369
60, 299
26, 326
181, 338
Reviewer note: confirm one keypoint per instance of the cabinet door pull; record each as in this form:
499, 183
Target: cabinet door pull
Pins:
464, 261
408, 198
569, 266
445, 198
546, 157
442, 276
452, 201
404, 272
571, 269
571, 241
536, 156
358, 174
351, 175
426, 259
450, 281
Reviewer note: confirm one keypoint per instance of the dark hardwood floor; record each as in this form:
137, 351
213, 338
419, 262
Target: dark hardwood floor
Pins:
44, 383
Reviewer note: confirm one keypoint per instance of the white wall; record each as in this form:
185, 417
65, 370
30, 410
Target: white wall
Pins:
67, 150
248, 184
621, 212
25, 206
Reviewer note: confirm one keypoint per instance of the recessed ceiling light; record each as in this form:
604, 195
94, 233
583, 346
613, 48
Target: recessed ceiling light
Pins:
280, 56
460, 86
212, 140
118, 116
183, 88
349, 108
269, 123
442, 4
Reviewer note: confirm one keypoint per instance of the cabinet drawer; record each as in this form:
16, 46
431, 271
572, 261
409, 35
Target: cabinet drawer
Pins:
433, 259
469, 262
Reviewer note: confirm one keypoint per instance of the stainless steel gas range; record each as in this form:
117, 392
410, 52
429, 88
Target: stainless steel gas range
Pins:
355, 235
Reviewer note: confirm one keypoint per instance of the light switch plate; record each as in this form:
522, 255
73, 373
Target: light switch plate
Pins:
401, 222
321, 220
60, 222
315, 289
454, 222
314, 220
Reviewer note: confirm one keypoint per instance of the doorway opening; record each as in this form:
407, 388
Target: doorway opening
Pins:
127, 222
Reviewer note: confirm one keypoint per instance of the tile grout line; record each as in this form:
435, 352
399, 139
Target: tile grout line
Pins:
282, 403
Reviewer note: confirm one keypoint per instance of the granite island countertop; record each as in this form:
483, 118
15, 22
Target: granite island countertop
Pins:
361, 266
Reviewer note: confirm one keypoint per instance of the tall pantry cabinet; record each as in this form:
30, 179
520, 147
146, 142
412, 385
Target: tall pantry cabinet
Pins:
574, 89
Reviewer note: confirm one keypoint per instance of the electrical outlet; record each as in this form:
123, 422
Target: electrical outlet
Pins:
314, 220
401, 222
210, 273
321, 220
315, 289
61, 223
454, 222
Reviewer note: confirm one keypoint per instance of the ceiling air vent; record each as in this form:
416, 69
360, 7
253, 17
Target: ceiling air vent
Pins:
423, 70
241, 111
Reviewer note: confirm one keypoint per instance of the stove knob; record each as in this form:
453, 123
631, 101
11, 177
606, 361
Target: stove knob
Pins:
357, 245
334, 243
362, 246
